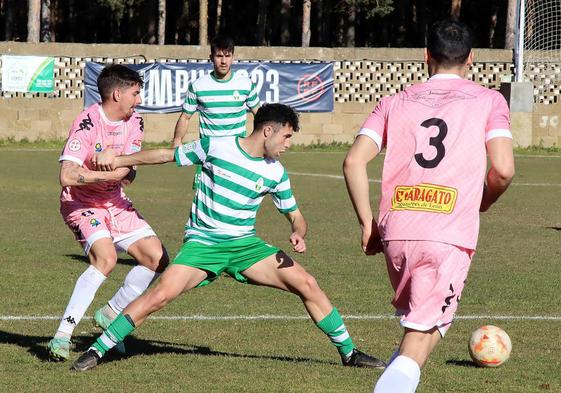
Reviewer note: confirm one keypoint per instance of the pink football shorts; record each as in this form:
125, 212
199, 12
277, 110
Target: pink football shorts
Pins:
123, 224
428, 278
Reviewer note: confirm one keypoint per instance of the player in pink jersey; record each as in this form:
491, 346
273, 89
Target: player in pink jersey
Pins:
96, 209
437, 136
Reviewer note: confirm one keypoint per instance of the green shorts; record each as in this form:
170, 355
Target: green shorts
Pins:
232, 257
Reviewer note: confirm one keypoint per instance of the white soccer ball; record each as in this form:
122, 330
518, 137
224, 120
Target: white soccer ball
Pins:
489, 346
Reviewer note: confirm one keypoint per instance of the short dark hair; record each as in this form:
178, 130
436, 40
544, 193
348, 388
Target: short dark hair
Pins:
222, 42
449, 42
116, 76
276, 114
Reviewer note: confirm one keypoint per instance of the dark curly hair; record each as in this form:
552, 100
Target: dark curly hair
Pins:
277, 114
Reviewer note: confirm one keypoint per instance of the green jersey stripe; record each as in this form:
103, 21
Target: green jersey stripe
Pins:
226, 92
223, 200
228, 127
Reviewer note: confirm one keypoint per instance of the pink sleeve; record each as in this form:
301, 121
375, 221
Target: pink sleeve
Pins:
136, 135
375, 125
498, 123
79, 142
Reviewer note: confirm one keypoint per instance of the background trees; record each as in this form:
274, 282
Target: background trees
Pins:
327, 23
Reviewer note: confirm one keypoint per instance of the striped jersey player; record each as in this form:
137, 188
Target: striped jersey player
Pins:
220, 235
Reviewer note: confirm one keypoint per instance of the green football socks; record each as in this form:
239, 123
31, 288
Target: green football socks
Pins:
334, 327
116, 332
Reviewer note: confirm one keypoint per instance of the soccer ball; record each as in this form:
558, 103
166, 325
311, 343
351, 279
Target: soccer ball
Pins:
489, 346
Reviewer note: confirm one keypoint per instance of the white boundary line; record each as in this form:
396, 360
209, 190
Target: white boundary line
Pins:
379, 181
267, 317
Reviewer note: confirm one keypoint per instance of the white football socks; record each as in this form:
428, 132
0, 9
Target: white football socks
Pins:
136, 282
401, 376
82, 296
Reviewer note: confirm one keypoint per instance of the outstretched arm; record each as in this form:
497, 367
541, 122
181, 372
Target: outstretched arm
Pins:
299, 230
145, 157
72, 174
500, 173
361, 153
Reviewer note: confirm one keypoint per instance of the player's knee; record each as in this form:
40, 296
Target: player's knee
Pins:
308, 287
156, 261
105, 264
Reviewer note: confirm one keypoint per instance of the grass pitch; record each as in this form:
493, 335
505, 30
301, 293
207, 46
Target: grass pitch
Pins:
513, 283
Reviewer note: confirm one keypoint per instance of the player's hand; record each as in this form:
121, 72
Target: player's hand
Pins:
298, 243
129, 178
104, 161
371, 241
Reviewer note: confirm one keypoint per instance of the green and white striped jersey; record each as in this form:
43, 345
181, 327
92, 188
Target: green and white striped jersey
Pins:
222, 104
231, 189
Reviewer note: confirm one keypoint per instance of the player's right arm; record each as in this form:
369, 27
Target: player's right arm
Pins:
145, 157
73, 174
181, 129
363, 150
500, 173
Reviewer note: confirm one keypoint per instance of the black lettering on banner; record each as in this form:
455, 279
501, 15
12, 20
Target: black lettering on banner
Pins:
435, 141
86, 124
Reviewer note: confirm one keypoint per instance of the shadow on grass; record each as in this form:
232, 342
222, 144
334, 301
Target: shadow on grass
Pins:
555, 228
461, 363
85, 259
37, 346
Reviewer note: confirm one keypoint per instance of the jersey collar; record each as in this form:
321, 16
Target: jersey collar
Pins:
444, 76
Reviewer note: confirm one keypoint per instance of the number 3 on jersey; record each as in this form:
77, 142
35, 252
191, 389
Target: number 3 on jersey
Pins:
435, 141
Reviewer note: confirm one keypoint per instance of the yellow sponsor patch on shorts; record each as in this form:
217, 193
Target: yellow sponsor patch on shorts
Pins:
425, 197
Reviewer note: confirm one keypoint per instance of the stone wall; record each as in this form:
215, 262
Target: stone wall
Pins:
361, 77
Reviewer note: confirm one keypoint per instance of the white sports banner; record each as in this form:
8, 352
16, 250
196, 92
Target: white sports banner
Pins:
33, 74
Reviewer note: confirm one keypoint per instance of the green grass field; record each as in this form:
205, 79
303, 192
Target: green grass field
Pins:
514, 283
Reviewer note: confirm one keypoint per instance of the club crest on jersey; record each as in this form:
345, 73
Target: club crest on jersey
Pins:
136, 145
236, 95
259, 185
188, 147
98, 147
74, 145
94, 222
425, 197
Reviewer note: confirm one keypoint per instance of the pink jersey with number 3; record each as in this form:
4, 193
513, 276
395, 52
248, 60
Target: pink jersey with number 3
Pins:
434, 169
92, 132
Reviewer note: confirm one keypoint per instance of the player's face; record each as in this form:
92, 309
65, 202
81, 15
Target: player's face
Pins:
222, 63
129, 99
278, 142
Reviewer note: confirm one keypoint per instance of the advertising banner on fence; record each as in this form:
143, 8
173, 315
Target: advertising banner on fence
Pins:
28, 74
305, 87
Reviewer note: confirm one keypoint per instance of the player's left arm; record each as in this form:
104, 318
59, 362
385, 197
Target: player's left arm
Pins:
500, 173
299, 230
363, 150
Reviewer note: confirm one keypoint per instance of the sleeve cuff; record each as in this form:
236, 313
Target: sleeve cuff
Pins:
71, 158
372, 135
497, 134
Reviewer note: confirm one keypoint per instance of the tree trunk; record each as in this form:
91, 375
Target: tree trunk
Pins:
262, 9
510, 24
46, 21
306, 12
33, 20
455, 9
285, 22
9, 31
350, 35
218, 16
203, 22
161, 22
